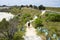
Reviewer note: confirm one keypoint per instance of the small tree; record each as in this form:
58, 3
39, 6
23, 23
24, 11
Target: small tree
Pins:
3, 5
8, 29
31, 6
22, 6
4, 25
41, 7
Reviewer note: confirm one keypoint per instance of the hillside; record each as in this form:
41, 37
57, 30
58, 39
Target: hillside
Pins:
30, 11
47, 23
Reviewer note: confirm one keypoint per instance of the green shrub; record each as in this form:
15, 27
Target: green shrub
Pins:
26, 17
18, 36
53, 17
15, 10
38, 22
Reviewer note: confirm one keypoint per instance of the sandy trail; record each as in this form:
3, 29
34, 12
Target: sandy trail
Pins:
31, 32
43, 12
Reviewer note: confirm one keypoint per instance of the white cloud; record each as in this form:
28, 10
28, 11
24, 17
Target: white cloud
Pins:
34, 2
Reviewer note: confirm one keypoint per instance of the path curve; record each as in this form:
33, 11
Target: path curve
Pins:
31, 32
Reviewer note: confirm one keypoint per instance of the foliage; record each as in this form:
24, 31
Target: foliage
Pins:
22, 6
31, 6
15, 10
38, 22
3, 39
8, 29
41, 7
4, 25
25, 17
18, 36
53, 17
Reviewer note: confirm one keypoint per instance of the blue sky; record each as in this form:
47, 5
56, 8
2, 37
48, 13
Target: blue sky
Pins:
51, 3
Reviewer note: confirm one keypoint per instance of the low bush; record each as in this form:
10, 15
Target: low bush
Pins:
53, 17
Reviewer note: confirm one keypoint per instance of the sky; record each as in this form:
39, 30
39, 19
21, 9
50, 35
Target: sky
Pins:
48, 3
